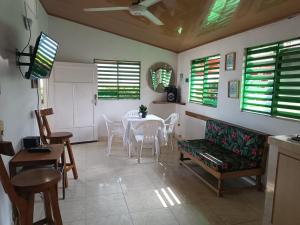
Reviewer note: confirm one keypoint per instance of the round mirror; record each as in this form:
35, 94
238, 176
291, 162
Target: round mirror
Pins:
160, 75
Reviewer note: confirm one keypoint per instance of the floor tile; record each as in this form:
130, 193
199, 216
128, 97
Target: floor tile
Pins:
154, 217
119, 219
105, 205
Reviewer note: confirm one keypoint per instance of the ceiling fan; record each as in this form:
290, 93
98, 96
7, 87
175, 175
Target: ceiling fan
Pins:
138, 8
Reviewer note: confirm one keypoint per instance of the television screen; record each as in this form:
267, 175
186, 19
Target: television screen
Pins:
43, 58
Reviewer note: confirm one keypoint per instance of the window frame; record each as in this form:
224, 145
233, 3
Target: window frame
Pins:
118, 63
278, 83
205, 85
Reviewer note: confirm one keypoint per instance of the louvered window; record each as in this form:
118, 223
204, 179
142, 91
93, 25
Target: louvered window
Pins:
118, 79
204, 80
271, 81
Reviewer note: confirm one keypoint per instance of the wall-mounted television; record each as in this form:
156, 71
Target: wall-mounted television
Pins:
42, 58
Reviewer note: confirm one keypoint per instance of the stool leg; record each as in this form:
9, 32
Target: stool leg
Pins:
65, 177
55, 205
47, 206
30, 208
72, 161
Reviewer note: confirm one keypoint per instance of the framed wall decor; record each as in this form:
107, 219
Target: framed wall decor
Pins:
233, 89
230, 61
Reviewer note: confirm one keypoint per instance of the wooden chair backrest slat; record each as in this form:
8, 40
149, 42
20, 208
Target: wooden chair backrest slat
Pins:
7, 149
41, 116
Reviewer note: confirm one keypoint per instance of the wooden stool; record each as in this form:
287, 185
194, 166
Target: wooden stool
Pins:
22, 188
30, 182
56, 138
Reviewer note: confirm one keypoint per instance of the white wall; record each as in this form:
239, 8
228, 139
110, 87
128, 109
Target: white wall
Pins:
83, 44
17, 99
229, 109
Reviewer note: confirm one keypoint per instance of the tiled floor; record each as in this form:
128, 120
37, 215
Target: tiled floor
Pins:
116, 190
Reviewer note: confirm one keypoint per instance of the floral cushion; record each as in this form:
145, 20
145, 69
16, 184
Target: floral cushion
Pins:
215, 156
236, 140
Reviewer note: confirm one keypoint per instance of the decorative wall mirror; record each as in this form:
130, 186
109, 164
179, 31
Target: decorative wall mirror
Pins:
160, 75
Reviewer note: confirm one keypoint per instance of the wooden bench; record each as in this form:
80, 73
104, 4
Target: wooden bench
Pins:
227, 151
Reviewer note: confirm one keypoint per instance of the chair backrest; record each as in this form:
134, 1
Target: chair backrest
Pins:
108, 123
6, 148
113, 126
132, 113
171, 122
149, 129
44, 128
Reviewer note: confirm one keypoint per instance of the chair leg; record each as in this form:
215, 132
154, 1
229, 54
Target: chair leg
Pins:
71, 156
129, 150
109, 143
139, 153
55, 206
157, 149
171, 140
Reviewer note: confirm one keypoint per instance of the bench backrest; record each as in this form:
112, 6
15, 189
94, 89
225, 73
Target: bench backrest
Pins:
241, 141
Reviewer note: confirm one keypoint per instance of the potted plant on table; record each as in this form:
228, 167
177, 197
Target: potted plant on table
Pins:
143, 111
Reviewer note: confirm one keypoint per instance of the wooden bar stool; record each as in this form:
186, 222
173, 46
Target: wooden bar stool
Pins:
56, 138
22, 188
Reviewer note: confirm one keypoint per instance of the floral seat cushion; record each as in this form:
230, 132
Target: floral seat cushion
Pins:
215, 156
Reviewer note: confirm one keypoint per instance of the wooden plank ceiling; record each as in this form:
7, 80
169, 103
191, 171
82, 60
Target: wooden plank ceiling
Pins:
200, 21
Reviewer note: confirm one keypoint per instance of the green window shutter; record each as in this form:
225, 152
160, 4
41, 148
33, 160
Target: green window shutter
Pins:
287, 87
197, 81
204, 80
118, 79
258, 79
211, 80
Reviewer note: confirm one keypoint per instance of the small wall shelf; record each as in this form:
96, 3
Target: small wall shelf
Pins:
165, 102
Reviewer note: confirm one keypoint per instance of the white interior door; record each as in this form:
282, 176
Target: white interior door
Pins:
63, 110
84, 107
72, 88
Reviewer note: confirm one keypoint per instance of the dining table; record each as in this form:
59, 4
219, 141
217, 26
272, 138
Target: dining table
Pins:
134, 121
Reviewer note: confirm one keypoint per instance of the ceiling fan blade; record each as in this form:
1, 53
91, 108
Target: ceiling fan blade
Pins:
105, 9
152, 18
148, 3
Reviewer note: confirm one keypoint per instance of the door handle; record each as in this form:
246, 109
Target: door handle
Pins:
95, 99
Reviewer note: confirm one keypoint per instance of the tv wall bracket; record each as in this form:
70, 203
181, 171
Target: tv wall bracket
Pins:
21, 54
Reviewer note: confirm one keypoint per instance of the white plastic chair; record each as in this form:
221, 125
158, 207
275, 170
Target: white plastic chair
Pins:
170, 124
132, 113
114, 129
147, 132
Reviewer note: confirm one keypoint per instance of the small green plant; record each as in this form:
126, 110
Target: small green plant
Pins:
143, 110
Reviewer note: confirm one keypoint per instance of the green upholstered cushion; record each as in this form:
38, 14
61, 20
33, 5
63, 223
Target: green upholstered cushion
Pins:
235, 139
215, 156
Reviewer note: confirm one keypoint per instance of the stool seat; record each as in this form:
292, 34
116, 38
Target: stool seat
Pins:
36, 180
59, 135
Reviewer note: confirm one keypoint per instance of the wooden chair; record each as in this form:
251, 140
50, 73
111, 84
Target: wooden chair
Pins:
22, 188
56, 138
